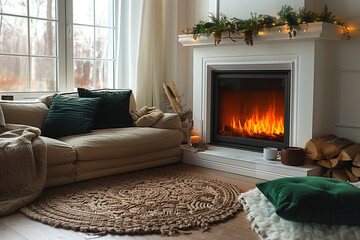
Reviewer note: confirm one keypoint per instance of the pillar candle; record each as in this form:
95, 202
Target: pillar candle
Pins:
195, 139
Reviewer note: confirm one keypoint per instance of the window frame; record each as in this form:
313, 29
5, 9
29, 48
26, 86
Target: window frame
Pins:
64, 40
29, 55
70, 41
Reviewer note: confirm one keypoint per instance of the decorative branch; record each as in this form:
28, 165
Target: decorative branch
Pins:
291, 18
172, 99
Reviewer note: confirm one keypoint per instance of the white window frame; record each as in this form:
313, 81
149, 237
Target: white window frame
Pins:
65, 80
69, 44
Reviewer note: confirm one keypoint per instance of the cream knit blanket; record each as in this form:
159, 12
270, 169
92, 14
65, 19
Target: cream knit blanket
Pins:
23, 164
146, 116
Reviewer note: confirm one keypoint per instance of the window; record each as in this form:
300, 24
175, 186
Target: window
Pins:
28, 45
93, 41
52, 45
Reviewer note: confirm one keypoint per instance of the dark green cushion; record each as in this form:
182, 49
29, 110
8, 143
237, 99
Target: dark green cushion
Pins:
69, 115
314, 200
113, 108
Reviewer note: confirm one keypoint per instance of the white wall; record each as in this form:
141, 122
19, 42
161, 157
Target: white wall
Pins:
243, 8
347, 69
170, 42
348, 85
186, 19
347, 10
325, 88
201, 8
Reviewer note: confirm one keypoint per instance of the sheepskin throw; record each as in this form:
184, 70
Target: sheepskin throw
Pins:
268, 225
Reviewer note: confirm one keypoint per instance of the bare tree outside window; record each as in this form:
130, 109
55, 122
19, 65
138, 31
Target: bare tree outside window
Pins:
29, 51
93, 44
25, 67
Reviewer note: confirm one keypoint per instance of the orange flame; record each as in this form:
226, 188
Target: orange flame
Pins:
256, 124
266, 124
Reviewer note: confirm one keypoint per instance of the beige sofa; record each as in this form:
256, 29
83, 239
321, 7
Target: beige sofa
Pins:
102, 152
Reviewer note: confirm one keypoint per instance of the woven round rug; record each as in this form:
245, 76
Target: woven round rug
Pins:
149, 201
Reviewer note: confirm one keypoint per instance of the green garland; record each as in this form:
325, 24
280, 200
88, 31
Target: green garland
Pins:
251, 27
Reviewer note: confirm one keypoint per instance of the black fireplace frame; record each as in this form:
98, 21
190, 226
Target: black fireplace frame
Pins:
248, 143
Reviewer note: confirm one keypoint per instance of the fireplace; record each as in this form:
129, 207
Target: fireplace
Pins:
310, 97
250, 109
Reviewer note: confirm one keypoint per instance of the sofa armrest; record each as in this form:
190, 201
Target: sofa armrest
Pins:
169, 121
25, 113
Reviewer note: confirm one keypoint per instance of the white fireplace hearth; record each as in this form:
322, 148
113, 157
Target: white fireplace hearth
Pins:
309, 57
246, 163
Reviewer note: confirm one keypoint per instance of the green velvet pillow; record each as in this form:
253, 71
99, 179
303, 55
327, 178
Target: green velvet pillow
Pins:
113, 108
69, 115
314, 200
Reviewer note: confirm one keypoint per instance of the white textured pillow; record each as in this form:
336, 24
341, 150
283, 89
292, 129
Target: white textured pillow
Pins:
2, 119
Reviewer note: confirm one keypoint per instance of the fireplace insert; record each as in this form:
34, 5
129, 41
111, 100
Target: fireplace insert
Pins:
250, 109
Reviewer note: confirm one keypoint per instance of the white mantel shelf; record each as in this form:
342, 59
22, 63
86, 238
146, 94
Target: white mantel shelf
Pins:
311, 31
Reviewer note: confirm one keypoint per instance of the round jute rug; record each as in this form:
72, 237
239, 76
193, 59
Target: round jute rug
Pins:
149, 201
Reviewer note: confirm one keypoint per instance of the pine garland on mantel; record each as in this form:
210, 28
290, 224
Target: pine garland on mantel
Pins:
251, 27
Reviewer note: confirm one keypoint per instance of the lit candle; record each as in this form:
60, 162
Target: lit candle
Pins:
195, 139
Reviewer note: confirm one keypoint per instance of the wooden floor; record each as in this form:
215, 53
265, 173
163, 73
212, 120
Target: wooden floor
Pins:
19, 227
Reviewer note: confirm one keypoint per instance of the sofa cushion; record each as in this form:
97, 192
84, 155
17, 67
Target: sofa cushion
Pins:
69, 115
113, 108
132, 163
97, 165
27, 113
58, 152
60, 174
122, 142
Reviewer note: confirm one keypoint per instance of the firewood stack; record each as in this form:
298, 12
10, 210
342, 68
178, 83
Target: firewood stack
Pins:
340, 156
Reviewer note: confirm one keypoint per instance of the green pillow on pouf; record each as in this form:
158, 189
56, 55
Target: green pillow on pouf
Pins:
69, 115
113, 108
314, 200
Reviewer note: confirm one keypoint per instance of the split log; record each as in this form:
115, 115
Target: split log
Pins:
340, 174
333, 163
333, 147
325, 163
312, 147
327, 174
356, 160
351, 176
355, 171
349, 153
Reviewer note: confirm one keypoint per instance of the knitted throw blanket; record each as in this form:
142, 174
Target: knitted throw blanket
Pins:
22, 166
146, 116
